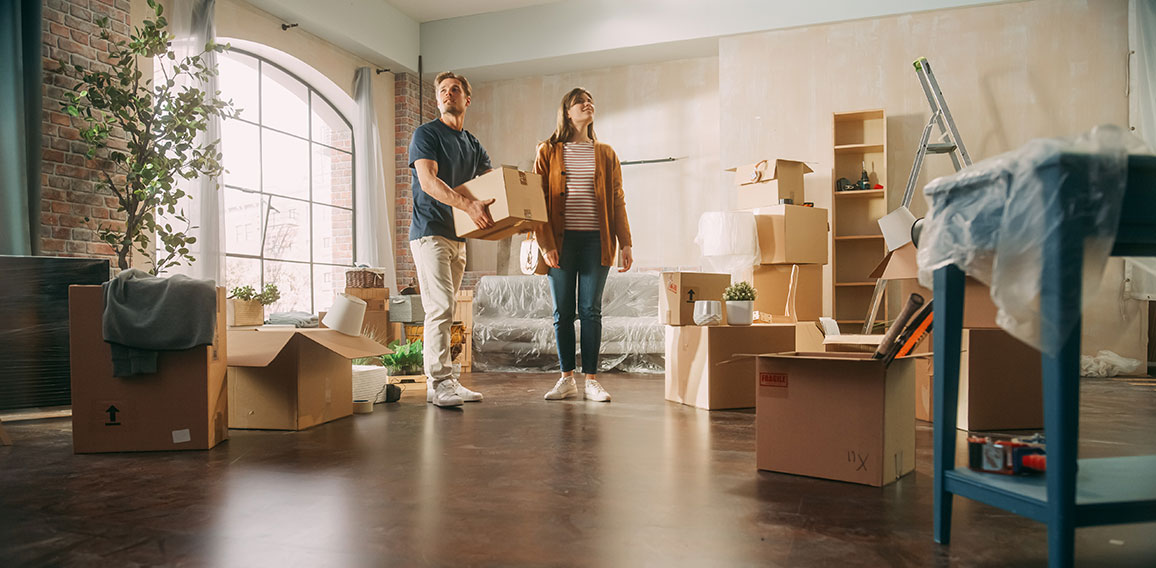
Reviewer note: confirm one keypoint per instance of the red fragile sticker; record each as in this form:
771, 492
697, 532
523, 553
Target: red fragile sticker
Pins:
772, 379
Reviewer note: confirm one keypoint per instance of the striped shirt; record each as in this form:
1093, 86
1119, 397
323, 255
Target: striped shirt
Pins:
581, 204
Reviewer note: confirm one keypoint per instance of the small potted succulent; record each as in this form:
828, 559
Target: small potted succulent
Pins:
740, 300
247, 306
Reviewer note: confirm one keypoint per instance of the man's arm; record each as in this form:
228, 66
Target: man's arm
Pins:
427, 175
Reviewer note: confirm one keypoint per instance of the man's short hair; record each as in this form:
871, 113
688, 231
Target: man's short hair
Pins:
450, 75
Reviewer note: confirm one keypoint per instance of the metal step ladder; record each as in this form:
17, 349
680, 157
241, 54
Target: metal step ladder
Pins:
949, 143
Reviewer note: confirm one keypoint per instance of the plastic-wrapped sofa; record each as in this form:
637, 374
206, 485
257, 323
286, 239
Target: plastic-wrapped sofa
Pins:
514, 324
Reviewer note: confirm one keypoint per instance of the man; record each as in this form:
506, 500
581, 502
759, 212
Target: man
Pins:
443, 155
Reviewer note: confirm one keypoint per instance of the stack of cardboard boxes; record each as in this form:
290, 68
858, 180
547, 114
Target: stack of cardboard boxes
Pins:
1000, 377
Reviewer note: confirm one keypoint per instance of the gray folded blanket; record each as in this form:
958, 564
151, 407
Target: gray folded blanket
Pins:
144, 314
296, 319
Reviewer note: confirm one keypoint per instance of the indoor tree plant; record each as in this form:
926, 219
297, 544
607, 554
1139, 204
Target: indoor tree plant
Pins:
740, 300
248, 306
143, 136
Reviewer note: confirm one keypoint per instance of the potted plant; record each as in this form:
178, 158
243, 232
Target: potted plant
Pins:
247, 307
143, 135
740, 300
406, 361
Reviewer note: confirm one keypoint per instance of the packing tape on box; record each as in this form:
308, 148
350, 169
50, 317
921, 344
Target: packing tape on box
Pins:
346, 315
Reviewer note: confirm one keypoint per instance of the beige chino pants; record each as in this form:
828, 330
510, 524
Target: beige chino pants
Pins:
441, 263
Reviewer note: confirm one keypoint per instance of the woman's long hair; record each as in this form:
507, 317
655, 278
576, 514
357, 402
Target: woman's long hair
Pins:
566, 129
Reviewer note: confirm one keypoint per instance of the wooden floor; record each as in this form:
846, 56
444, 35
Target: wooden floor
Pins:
517, 481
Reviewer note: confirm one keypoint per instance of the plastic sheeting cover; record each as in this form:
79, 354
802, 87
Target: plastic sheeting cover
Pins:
514, 324
991, 221
729, 241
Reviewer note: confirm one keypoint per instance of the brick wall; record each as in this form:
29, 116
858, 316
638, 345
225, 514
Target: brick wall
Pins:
71, 206
406, 119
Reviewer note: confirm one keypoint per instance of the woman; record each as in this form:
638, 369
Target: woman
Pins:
587, 223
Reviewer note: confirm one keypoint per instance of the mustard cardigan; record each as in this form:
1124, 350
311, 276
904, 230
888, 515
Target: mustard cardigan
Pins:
612, 222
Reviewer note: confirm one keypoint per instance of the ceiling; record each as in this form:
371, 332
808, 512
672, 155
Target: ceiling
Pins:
423, 11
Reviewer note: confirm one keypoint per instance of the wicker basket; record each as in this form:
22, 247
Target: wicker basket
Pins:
364, 278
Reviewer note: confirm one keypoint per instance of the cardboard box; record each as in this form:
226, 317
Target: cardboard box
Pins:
703, 368
406, 309
792, 234
519, 203
376, 299
841, 416
182, 407
292, 379
681, 289
978, 308
772, 282
1000, 382
779, 179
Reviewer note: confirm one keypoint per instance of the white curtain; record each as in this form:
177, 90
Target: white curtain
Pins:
192, 26
374, 234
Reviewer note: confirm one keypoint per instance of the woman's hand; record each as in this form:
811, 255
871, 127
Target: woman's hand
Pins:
627, 259
552, 258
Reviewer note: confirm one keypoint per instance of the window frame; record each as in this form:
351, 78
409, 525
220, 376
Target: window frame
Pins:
263, 196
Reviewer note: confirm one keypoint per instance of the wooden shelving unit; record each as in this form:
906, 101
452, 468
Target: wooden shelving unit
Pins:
857, 246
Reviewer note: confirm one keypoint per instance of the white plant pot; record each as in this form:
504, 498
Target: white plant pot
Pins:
740, 312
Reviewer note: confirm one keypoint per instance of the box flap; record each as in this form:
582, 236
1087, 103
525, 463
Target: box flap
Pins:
763, 170
899, 264
252, 348
347, 346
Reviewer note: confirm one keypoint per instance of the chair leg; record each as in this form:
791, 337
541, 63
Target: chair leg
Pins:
948, 322
4, 439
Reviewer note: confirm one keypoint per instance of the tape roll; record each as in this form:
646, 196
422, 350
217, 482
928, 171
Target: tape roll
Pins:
362, 406
346, 315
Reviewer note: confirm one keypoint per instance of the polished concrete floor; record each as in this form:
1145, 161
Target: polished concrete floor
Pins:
517, 481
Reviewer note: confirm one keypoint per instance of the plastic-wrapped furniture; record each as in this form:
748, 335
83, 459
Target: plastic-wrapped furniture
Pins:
514, 324
1069, 212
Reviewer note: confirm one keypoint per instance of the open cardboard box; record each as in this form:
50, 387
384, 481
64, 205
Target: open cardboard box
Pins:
978, 308
519, 203
292, 379
792, 234
842, 416
183, 406
764, 183
703, 368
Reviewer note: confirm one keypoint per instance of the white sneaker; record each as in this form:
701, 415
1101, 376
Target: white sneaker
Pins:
466, 394
595, 392
564, 389
444, 395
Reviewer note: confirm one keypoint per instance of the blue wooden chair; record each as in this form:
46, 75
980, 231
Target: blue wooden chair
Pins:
1074, 492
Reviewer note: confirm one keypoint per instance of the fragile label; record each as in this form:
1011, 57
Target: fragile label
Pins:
672, 286
773, 380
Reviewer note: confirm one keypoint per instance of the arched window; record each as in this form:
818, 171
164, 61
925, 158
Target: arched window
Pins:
288, 192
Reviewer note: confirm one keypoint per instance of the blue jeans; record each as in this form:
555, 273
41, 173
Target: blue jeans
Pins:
580, 274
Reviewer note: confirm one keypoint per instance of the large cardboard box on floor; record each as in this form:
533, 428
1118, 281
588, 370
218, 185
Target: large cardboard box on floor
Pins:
763, 184
704, 368
978, 308
681, 289
842, 416
183, 406
792, 234
292, 379
519, 203
772, 281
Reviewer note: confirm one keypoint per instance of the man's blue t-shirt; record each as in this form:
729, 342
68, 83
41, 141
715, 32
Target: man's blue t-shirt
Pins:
460, 158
